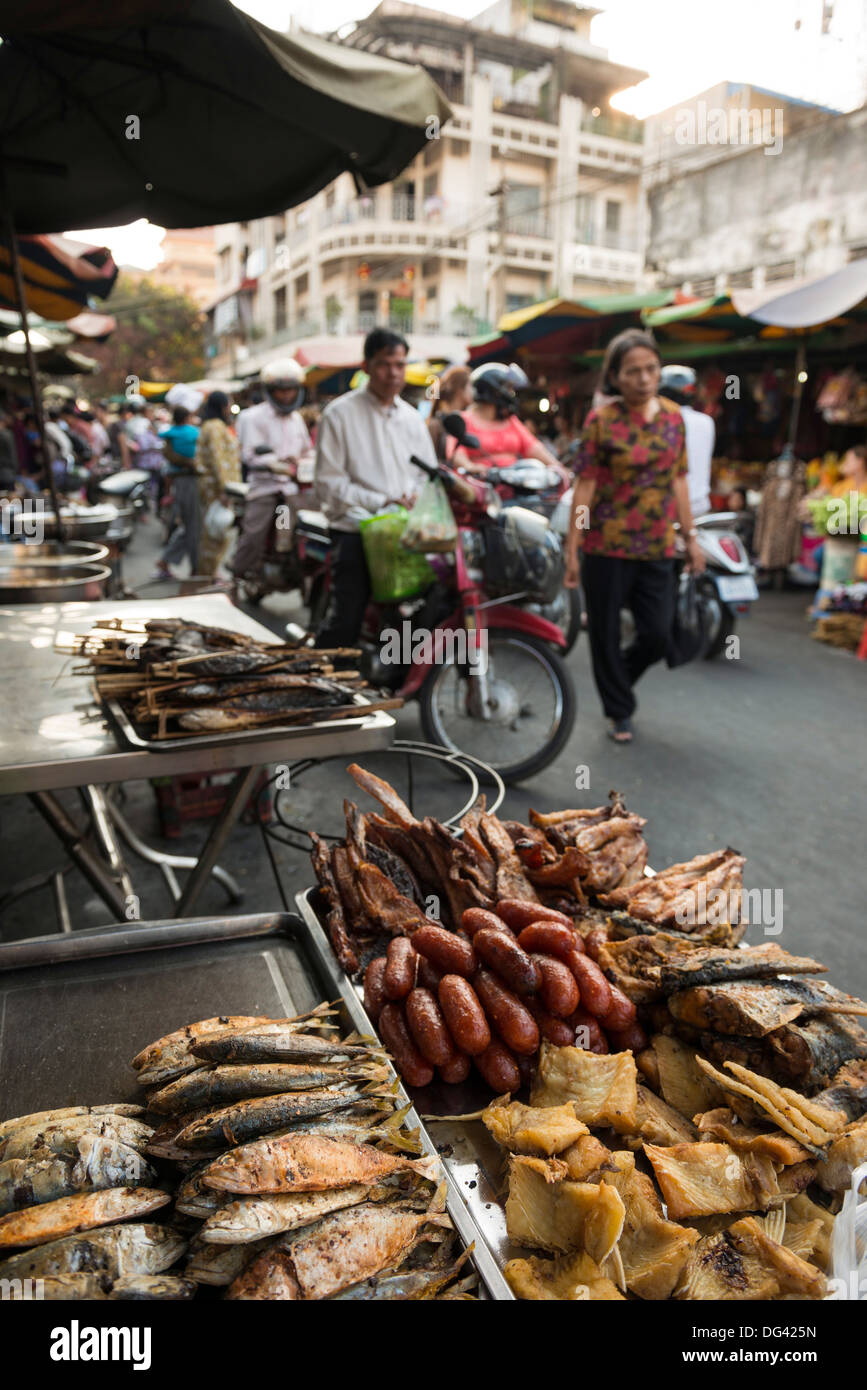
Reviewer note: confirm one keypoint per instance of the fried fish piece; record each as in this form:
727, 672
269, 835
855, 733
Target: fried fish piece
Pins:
547, 1210
811, 1124
565, 1278
684, 1084
751, 1008
117, 1250
212, 1086
658, 1123
602, 1089
82, 1212
702, 1179
651, 967
168, 1057
743, 1263
847, 1152
270, 1277
348, 1246
723, 1124
310, 1163
652, 1249
256, 1218
236, 1124
274, 1042
533, 1129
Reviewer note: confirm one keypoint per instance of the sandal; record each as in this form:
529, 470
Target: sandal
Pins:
620, 730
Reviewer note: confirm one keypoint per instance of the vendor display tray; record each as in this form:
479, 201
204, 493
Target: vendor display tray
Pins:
473, 1161
129, 736
75, 1009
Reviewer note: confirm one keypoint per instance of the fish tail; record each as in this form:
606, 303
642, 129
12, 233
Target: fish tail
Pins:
438, 1202
430, 1168
397, 1117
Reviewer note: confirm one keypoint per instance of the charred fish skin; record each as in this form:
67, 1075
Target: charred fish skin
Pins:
221, 1085
45, 1177
62, 1138
263, 1045
348, 1246
48, 1117
258, 1218
238, 1123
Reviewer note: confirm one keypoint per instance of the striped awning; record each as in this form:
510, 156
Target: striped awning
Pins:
60, 276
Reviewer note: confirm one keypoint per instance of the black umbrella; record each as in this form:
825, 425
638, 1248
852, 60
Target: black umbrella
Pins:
188, 112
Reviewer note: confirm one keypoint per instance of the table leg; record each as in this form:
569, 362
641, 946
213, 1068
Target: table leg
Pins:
96, 801
167, 863
72, 840
239, 792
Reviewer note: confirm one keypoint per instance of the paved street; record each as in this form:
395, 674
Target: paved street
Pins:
764, 753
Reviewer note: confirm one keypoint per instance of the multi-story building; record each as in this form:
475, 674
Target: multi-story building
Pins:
189, 263
532, 189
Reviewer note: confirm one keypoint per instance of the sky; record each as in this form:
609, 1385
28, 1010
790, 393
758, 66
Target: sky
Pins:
685, 45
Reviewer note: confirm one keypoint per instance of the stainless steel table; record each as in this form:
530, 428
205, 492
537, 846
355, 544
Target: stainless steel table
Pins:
53, 735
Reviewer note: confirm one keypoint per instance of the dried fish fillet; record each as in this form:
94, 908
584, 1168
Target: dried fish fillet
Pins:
723, 1124
565, 1278
533, 1129
586, 1159
658, 1123
653, 1250
752, 1008
811, 1124
549, 1212
742, 1263
602, 1089
683, 1083
847, 1152
701, 1179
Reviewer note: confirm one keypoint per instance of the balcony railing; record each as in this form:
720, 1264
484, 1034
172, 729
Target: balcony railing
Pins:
615, 127
529, 224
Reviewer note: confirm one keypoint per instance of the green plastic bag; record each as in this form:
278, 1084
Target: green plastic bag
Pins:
395, 573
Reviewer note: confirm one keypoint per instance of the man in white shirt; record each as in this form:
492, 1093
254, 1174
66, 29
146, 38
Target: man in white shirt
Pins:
678, 384
363, 449
274, 443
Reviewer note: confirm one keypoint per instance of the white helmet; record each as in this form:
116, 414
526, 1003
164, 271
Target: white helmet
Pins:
283, 374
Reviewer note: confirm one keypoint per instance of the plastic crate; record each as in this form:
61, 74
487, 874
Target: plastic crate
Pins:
181, 800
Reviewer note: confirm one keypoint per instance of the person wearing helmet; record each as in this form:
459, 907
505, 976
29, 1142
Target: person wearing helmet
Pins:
274, 442
493, 419
678, 384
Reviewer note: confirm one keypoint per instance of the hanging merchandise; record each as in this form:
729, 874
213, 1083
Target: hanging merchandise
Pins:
843, 399
777, 538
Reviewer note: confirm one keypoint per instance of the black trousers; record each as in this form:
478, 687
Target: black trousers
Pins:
646, 587
350, 591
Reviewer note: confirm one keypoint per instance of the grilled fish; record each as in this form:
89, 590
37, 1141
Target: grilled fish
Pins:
255, 1218
651, 967
47, 1117
272, 1042
214, 1086
218, 1265
119, 1250
751, 1008
269, 1277
168, 1057
309, 1163
62, 1137
348, 1246
75, 1288
413, 1284
101, 1163
249, 1118
743, 1263
83, 1212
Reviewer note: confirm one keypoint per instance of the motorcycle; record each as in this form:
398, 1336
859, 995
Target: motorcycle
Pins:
486, 669
728, 585
288, 562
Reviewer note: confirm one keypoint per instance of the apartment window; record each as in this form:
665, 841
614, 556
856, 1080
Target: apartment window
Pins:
518, 301
430, 186
431, 292
403, 202
612, 215
429, 267
302, 284
431, 153
280, 309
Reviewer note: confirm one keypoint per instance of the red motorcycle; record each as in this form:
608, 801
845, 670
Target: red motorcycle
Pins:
485, 667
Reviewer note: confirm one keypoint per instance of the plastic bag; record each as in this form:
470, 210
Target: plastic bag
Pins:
218, 520
395, 573
688, 639
431, 525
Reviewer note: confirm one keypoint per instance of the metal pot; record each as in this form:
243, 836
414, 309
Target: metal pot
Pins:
52, 583
85, 523
52, 553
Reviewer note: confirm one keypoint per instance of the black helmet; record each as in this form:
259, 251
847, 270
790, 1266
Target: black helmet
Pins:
500, 385
677, 383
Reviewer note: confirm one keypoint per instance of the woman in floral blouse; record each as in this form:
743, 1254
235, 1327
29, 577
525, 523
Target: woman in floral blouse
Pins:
631, 487
217, 463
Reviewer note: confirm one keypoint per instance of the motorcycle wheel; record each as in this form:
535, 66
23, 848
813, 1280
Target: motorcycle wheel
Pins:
722, 629
565, 611
318, 603
526, 731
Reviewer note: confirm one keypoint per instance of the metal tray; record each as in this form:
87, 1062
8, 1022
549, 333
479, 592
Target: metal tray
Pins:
473, 1161
75, 1009
131, 738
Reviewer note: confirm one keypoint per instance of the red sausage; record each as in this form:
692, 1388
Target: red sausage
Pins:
400, 967
595, 939
456, 1071
519, 913
427, 976
407, 1058
550, 937
514, 1024
553, 1030
595, 989
428, 1027
464, 1015
501, 952
558, 990
633, 1038
450, 953
621, 1013
474, 919
499, 1068
375, 997
588, 1034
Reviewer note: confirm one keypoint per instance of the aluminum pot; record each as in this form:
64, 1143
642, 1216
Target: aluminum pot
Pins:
53, 583
52, 553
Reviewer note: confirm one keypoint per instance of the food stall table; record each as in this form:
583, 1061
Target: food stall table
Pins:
55, 736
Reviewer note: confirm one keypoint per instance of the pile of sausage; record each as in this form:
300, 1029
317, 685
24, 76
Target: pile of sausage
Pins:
443, 1000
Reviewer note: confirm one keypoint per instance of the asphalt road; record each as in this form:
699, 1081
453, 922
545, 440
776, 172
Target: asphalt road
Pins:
765, 753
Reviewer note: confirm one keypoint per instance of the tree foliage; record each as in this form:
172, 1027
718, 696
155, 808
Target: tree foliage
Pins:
159, 337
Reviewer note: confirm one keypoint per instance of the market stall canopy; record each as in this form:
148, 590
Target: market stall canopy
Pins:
52, 361
60, 276
97, 327
563, 326
188, 112
803, 306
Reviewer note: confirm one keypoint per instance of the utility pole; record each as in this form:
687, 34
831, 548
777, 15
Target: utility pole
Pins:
499, 276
